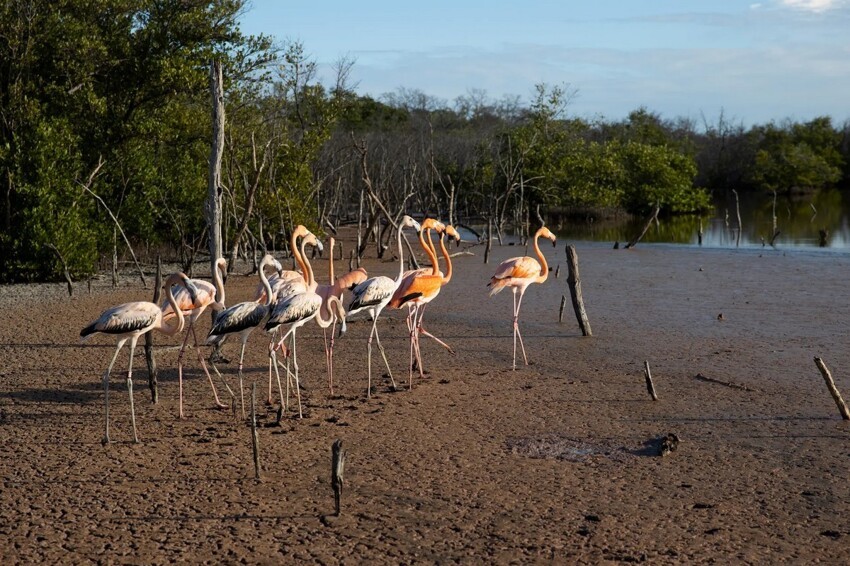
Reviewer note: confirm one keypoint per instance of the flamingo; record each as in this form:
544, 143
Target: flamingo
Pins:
335, 289
297, 310
284, 277
243, 318
130, 321
518, 273
207, 295
373, 295
296, 305
291, 283
420, 287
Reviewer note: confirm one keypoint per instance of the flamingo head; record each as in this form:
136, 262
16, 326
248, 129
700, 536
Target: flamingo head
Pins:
310, 239
453, 234
546, 233
408, 222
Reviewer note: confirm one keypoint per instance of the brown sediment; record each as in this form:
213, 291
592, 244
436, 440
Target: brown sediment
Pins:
478, 463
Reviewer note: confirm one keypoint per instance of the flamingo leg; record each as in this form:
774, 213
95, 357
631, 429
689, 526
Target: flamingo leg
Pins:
130, 387
223, 381
106, 385
272, 362
516, 328
384, 355
218, 402
297, 383
180, 371
331, 356
411, 327
417, 323
328, 360
242, 389
517, 331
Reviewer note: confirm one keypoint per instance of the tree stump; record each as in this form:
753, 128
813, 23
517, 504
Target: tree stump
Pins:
574, 283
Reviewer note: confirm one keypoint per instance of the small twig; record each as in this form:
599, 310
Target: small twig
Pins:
701, 377
65, 269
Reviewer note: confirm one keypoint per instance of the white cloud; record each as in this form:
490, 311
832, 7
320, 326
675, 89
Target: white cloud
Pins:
814, 5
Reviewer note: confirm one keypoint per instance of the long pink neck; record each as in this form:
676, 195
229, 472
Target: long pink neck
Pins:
265, 281
447, 257
171, 328
544, 267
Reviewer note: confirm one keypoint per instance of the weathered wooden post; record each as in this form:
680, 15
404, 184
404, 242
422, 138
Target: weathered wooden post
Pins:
646, 226
650, 387
833, 390
255, 439
489, 240
561, 309
337, 470
738, 212
574, 283
149, 358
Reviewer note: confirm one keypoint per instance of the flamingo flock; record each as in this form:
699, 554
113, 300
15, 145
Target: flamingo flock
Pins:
286, 300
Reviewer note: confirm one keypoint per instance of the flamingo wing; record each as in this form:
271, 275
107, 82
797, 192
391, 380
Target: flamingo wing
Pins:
239, 317
420, 286
123, 319
371, 292
351, 279
293, 309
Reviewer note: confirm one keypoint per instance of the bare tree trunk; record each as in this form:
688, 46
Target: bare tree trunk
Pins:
212, 206
149, 357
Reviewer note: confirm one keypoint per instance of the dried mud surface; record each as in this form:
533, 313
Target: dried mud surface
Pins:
477, 463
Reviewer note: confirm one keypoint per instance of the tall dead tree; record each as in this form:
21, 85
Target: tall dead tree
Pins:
212, 206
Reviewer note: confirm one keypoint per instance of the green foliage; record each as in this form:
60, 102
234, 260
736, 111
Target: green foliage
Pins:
803, 156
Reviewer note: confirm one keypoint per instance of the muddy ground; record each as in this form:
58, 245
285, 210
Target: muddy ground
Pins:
477, 463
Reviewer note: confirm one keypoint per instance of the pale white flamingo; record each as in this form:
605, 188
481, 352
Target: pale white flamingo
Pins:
207, 295
335, 288
518, 273
128, 322
373, 295
296, 311
287, 288
243, 318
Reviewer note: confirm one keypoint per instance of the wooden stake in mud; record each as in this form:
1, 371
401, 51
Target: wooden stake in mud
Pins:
489, 240
561, 309
649, 385
652, 218
830, 384
574, 283
337, 470
255, 439
738, 211
149, 358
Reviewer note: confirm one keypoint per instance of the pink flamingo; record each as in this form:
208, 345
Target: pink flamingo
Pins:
207, 295
243, 318
518, 273
373, 295
128, 322
335, 289
419, 287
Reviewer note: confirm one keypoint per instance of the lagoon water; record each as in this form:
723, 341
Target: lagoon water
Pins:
799, 219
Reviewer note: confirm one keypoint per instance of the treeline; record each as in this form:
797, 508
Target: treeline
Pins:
105, 134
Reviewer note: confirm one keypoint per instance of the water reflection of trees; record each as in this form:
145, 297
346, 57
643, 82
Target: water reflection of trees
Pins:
799, 219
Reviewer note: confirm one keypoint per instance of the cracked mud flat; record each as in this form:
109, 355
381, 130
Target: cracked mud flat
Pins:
434, 474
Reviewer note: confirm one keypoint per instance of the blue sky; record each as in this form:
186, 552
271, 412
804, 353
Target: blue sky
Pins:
755, 61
